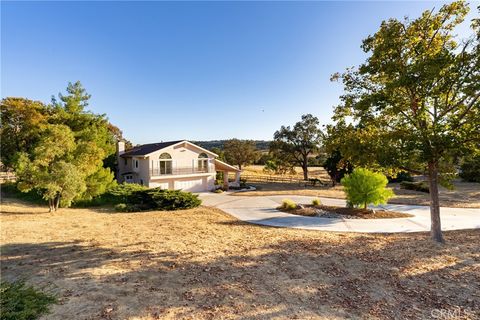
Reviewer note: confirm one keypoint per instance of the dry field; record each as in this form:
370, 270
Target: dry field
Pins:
204, 264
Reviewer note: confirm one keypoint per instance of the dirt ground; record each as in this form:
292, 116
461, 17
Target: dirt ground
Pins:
464, 195
204, 264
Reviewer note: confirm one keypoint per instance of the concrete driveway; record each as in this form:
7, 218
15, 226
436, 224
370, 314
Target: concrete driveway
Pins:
262, 210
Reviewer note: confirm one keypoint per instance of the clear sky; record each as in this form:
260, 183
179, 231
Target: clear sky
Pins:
191, 70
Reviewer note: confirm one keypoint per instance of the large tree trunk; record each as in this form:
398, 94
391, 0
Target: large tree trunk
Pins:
51, 207
305, 170
57, 202
436, 228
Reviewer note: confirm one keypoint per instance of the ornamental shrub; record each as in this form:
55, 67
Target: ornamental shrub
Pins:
416, 186
22, 302
316, 202
159, 199
470, 169
364, 187
288, 204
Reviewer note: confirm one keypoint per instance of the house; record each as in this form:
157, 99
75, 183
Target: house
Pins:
172, 165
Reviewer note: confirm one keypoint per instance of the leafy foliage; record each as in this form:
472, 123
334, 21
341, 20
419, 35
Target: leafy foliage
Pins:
470, 169
22, 123
64, 158
415, 102
316, 202
240, 152
295, 144
401, 176
337, 167
161, 199
364, 187
22, 302
416, 186
288, 204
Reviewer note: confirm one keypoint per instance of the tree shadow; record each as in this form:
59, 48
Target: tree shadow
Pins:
365, 276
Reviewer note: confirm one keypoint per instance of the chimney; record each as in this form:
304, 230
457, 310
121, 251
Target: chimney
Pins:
120, 148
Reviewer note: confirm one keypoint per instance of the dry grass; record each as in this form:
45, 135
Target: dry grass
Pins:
313, 172
465, 194
204, 264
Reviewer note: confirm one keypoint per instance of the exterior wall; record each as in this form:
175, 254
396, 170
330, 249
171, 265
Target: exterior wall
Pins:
183, 156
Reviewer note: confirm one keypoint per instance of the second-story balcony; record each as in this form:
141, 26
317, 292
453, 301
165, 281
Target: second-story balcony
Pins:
166, 171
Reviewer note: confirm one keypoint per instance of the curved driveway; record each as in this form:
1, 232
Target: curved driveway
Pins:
262, 210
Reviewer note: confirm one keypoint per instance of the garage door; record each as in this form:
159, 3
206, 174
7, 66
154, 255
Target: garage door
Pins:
193, 185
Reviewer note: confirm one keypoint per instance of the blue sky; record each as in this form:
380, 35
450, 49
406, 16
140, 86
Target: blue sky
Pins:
191, 70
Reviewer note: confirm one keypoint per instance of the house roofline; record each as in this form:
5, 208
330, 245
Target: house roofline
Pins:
173, 145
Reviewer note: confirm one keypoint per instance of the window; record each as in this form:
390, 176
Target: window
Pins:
141, 182
202, 162
125, 161
136, 163
165, 163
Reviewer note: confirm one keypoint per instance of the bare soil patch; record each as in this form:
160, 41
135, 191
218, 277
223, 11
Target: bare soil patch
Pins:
204, 264
342, 212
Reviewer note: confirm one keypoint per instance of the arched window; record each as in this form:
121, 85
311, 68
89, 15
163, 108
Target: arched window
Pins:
165, 163
202, 162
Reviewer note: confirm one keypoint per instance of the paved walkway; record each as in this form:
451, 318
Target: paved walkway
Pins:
262, 210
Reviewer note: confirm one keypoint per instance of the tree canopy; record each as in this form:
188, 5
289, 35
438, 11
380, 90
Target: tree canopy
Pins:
414, 104
296, 144
62, 146
240, 152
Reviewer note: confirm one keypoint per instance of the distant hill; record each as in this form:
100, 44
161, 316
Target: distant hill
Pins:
261, 144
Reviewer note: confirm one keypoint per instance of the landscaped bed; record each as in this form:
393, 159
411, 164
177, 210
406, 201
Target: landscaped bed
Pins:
324, 211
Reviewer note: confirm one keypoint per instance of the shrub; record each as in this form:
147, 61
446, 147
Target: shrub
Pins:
21, 302
10, 189
288, 204
316, 202
416, 186
365, 187
173, 199
402, 176
218, 191
121, 207
158, 199
470, 169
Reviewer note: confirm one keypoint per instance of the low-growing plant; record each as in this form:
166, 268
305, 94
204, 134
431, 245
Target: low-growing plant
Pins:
364, 187
316, 202
470, 169
22, 302
416, 186
218, 191
401, 176
288, 204
121, 207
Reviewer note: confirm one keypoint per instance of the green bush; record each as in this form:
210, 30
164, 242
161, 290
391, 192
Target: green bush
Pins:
402, 176
288, 204
416, 186
10, 189
21, 302
316, 202
119, 193
470, 169
365, 187
173, 199
121, 207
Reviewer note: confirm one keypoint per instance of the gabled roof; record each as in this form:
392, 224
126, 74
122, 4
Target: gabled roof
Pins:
145, 149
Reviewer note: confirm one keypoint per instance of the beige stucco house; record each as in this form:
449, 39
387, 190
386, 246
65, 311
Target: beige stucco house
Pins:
172, 165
